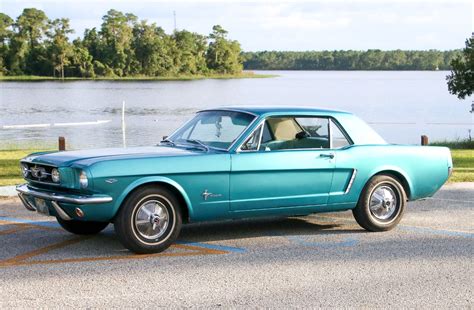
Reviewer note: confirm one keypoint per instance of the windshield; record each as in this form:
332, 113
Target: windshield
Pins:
216, 129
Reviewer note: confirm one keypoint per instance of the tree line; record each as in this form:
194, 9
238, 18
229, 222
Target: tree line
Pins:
122, 46
350, 60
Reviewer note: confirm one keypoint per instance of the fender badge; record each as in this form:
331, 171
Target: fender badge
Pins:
206, 195
110, 181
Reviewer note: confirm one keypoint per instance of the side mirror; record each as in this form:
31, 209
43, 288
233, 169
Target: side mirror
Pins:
165, 137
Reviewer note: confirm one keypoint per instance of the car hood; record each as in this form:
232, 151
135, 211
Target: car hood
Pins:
88, 157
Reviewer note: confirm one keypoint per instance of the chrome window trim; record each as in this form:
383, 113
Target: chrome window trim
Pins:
239, 149
260, 125
243, 132
330, 134
330, 118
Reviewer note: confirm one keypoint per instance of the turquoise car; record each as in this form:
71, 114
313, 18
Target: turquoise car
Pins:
230, 163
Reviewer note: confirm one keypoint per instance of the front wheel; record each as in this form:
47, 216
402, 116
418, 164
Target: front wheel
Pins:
381, 204
149, 220
82, 227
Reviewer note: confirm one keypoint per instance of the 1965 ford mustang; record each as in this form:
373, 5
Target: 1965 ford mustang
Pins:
229, 163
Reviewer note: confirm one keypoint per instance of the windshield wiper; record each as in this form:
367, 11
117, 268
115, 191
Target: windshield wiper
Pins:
195, 141
168, 141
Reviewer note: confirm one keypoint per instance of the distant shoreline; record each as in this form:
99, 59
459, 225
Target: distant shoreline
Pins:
245, 75
30, 78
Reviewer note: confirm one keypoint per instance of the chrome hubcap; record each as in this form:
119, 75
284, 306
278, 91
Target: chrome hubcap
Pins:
152, 219
383, 202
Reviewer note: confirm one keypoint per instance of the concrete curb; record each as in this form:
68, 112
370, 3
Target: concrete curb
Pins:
460, 185
7, 191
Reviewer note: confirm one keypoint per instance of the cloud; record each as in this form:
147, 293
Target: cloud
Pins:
287, 24
428, 39
277, 18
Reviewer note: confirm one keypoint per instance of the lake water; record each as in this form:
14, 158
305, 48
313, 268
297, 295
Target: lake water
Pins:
401, 106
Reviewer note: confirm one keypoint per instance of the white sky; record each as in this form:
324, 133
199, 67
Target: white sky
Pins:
288, 25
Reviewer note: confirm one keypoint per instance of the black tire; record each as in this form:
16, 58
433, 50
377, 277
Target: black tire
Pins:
82, 227
137, 237
385, 215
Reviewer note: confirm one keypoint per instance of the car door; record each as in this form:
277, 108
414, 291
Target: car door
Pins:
274, 169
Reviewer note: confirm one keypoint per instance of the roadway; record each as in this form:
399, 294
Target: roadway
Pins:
322, 260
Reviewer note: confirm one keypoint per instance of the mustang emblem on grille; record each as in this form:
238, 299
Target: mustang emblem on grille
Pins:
38, 172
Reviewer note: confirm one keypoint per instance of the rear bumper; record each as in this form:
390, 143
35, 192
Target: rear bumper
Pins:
63, 205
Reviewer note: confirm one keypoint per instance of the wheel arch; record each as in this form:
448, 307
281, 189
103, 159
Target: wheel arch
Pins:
173, 186
399, 175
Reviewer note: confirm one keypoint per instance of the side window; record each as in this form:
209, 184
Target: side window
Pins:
283, 128
338, 139
315, 126
266, 135
286, 133
252, 143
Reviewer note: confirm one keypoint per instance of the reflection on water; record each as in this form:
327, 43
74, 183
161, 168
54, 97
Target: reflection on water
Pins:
400, 105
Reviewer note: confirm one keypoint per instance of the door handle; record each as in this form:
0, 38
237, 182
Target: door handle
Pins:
327, 155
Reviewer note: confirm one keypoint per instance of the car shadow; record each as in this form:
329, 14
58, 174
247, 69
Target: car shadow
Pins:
263, 227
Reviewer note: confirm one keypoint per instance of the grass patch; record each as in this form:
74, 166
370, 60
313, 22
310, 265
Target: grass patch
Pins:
462, 152
459, 144
243, 75
10, 173
463, 161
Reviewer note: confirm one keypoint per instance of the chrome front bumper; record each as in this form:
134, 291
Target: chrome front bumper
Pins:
24, 191
75, 199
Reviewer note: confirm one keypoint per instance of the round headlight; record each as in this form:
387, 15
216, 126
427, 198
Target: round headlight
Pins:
55, 175
83, 179
25, 170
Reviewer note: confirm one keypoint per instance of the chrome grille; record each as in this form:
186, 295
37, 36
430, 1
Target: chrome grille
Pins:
39, 173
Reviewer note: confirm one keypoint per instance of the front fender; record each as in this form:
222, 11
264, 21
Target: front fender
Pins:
153, 179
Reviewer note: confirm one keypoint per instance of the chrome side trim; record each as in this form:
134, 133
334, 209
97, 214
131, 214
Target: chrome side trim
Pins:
351, 181
82, 200
26, 203
62, 214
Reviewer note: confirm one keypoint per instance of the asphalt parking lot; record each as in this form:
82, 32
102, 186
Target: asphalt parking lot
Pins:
322, 260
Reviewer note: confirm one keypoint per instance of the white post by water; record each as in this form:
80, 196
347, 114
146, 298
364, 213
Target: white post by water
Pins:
123, 125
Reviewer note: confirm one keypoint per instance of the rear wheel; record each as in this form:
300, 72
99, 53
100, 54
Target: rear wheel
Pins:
82, 227
149, 220
381, 205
